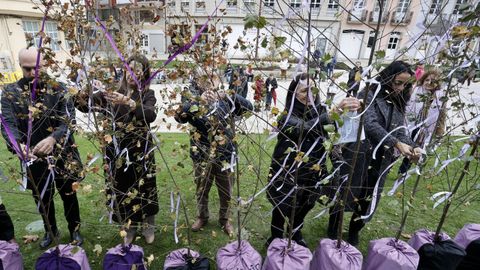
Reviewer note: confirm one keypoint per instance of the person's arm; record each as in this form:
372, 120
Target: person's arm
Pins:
81, 101
8, 101
7, 231
242, 105
146, 111
373, 130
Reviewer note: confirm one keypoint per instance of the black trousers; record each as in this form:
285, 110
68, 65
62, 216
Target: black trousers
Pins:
39, 172
279, 218
7, 232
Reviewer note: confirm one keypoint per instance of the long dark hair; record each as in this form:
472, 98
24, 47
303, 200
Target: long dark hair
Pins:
386, 78
299, 108
145, 72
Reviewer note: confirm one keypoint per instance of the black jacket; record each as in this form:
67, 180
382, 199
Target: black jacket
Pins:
54, 116
271, 84
212, 127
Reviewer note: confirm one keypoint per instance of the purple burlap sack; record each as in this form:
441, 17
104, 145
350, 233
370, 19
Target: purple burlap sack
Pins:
124, 257
280, 257
469, 233
244, 257
10, 256
182, 259
386, 253
328, 257
63, 257
177, 258
424, 236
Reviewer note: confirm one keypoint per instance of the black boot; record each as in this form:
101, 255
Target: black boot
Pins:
298, 238
47, 239
76, 238
354, 230
333, 224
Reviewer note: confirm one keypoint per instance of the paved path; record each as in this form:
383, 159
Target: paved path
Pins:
258, 123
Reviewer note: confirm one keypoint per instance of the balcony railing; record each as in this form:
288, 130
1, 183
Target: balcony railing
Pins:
401, 18
374, 17
357, 16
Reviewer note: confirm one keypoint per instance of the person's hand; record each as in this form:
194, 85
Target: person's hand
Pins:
119, 99
405, 150
44, 147
210, 96
349, 103
97, 85
31, 156
417, 153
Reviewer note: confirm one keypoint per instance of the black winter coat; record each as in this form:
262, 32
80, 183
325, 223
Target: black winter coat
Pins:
212, 127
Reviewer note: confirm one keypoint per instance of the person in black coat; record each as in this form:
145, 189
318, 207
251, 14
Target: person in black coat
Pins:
271, 85
304, 127
211, 144
386, 113
7, 231
130, 162
55, 160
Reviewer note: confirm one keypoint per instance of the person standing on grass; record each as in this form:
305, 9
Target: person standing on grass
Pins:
424, 109
305, 122
212, 148
386, 113
7, 231
51, 148
271, 86
130, 163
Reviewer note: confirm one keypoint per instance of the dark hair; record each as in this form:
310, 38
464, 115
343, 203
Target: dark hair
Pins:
291, 90
386, 77
145, 71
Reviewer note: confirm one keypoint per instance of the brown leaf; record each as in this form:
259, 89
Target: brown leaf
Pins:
30, 238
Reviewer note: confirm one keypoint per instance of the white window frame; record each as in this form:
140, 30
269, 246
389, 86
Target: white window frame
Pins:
185, 5
200, 5
403, 6
358, 4
332, 6
393, 41
456, 8
435, 7
295, 4
269, 6
249, 5
32, 27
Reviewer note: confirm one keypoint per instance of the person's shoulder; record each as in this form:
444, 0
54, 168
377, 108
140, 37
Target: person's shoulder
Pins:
11, 88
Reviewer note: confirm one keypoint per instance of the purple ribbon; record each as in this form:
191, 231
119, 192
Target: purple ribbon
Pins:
11, 138
115, 48
185, 47
35, 81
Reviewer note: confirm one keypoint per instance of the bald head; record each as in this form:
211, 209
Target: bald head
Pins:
27, 59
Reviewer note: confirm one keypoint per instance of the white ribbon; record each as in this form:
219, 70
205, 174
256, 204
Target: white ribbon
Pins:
383, 139
440, 197
375, 192
176, 219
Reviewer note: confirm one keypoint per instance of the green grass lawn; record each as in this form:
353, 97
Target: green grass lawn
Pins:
254, 162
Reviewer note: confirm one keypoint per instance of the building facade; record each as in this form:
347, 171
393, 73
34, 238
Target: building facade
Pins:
359, 22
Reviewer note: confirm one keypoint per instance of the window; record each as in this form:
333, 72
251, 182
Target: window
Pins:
371, 39
435, 7
249, 5
402, 6
232, 4
171, 3
185, 5
200, 6
458, 5
31, 28
377, 7
269, 3
393, 41
332, 5
144, 40
315, 4
358, 4
203, 36
146, 15
295, 3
